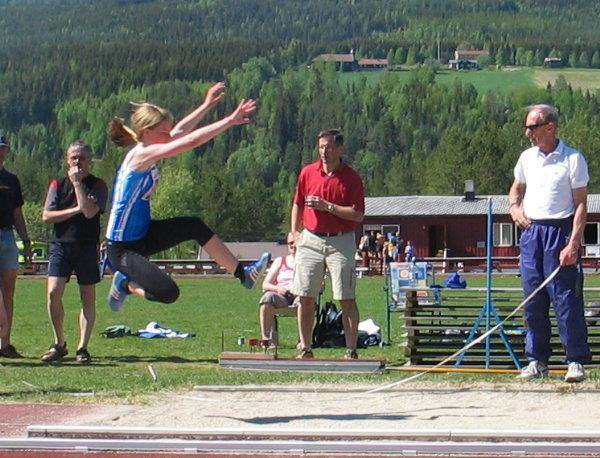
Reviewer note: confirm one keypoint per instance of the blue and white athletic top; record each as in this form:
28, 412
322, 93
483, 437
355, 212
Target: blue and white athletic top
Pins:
130, 212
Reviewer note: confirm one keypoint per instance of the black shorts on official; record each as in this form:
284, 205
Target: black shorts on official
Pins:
79, 258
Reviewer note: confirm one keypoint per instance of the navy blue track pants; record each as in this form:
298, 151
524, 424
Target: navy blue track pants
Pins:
541, 244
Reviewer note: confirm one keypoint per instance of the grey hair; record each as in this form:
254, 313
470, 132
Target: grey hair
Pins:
547, 113
80, 145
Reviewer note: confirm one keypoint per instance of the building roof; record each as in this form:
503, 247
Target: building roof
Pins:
372, 61
456, 61
470, 53
335, 57
446, 205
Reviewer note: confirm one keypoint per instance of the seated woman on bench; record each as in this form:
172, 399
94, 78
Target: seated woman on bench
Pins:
277, 295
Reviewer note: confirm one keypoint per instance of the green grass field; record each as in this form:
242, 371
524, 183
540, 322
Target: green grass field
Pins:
501, 81
211, 308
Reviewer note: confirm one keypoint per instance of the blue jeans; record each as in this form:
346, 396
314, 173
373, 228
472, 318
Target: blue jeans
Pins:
9, 254
541, 244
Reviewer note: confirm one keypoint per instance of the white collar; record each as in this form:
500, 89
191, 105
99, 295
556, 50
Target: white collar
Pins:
557, 151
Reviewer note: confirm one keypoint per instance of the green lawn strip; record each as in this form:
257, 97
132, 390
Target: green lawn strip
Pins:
502, 81
211, 308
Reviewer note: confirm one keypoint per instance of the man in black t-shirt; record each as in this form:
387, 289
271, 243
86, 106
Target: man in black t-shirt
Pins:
73, 205
11, 217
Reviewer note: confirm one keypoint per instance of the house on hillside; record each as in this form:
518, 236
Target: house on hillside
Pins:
463, 64
344, 62
349, 62
466, 59
553, 62
459, 224
372, 64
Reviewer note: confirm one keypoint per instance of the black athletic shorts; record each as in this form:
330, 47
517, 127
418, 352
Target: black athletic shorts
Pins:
79, 257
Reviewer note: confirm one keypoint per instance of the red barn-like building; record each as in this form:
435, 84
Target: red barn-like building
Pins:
435, 223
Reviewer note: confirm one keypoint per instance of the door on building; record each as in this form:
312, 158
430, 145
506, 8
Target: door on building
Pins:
437, 239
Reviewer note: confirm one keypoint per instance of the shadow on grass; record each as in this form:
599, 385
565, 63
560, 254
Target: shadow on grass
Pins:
28, 391
105, 361
66, 362
155, 359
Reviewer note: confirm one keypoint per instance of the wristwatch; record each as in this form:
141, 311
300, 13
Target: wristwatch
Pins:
330, 208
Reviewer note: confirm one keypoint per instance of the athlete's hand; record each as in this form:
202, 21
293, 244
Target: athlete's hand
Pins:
242, 113
214, 94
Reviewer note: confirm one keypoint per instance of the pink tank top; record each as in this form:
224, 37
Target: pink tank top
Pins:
285, 276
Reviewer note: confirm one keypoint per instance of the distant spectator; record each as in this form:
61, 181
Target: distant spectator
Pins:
393, 248
380, 247
400, 244
409, 252
363, 249
372, 244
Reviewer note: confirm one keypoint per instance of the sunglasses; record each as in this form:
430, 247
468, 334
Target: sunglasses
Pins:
535, 126
291, 243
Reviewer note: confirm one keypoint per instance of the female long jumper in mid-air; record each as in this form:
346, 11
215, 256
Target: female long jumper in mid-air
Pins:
132, 234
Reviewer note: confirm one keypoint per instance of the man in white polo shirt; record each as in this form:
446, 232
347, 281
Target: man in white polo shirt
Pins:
548, 201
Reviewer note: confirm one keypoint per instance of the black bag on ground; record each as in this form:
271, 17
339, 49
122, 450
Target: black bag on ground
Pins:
329, 330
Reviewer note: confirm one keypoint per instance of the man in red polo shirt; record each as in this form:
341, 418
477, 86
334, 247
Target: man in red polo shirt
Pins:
328, 203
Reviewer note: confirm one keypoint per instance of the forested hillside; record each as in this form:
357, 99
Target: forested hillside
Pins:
68, 66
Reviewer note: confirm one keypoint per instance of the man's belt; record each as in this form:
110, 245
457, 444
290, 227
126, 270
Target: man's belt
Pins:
329, 234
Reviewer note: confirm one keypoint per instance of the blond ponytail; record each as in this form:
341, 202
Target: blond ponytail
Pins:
120, 134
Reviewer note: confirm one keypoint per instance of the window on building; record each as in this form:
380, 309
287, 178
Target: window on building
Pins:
518, 232
389, 229
503, 234
367, 228
590, 234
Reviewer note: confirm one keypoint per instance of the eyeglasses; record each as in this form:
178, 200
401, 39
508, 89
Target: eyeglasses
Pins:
535, 126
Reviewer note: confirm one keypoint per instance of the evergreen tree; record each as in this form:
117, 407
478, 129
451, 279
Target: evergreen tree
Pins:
573, 59
538, 59
584, 60
411, 57
596, 60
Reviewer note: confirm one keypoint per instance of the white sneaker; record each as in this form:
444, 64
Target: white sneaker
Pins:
534, 369
575, 373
